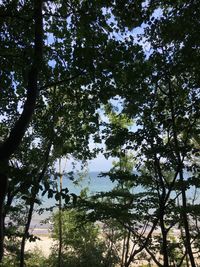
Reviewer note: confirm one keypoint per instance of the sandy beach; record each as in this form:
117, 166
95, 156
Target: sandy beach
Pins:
44, 244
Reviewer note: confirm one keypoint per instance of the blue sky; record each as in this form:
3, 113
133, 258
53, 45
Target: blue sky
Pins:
100, 164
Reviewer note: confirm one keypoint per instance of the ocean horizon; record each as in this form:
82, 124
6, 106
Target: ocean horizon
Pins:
91, 182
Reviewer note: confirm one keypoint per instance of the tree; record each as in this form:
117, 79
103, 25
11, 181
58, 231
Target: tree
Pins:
48, 43
158, 90
163, 101
10, 144
82, 245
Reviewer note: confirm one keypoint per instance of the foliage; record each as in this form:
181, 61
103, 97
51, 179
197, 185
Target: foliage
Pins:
60, 63
33, 259
82, 243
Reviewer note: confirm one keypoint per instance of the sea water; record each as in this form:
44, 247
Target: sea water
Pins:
91, 183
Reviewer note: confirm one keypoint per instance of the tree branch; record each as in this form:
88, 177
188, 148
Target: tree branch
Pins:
57, 83
9, 146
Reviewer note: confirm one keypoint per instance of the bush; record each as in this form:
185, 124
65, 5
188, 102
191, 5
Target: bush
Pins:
82, 245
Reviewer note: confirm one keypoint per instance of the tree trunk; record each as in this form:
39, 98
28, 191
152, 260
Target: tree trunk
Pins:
26, 231
123, 251
3, 189
180, 169
163, 197
60, 219
31, 208
164, 240
127, 249
144, 244
9, 146
186, 224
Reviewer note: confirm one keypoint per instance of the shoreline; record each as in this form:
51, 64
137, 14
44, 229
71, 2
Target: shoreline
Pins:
46, 242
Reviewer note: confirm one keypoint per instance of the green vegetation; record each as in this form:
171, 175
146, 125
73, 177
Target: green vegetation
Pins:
124, 76
82, 243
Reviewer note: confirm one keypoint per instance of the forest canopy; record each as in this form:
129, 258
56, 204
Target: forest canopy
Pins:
124, 76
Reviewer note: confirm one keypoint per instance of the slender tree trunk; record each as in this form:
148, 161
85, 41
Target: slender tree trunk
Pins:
163, 197
109, 261
9, 199
180, 168
144, 244
26, 231
6, 206
31, 208
123, 251
186, 224
60, 219
164, 240
153, 257
182, 236
126, 263
36, 190
3, 189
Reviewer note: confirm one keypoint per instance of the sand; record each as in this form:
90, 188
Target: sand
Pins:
44, 245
